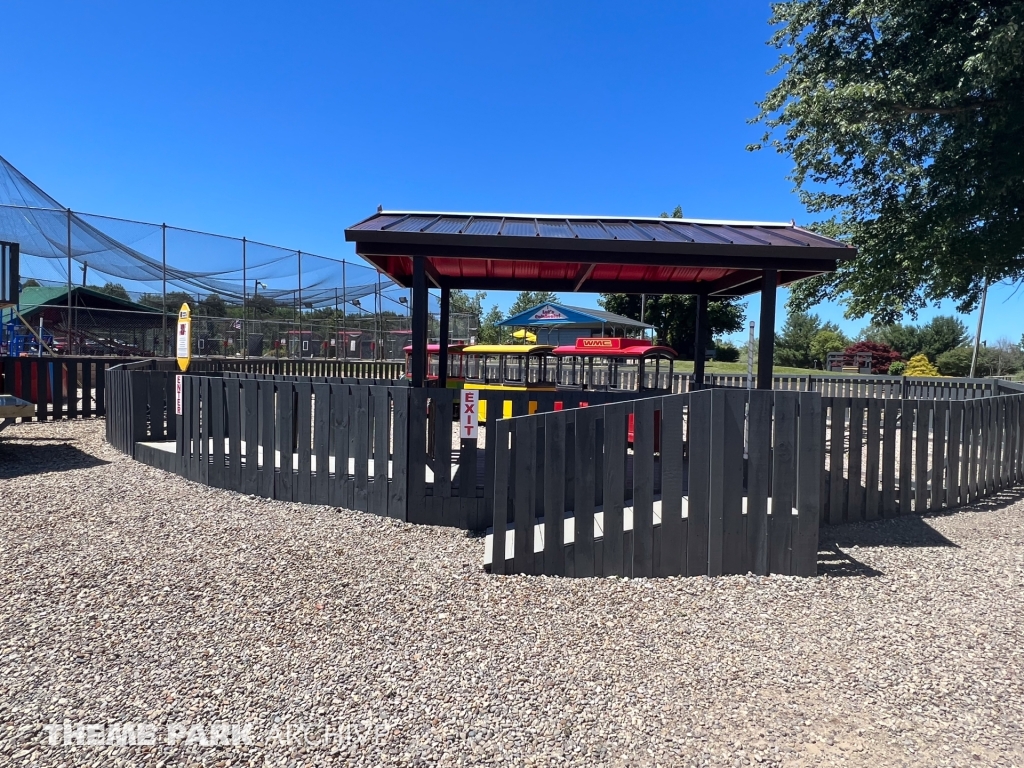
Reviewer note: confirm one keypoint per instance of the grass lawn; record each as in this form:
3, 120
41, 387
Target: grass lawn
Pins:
686, 366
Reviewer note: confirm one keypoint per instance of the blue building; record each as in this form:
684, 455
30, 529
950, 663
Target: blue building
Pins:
560, 324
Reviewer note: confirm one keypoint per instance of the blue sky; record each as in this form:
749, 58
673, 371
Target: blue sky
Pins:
287, 122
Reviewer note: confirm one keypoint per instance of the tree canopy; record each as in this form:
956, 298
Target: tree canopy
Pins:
939, 335
529, 299
905, 124
804, 340
675, 317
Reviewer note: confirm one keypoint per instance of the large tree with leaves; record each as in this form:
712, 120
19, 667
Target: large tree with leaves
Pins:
905, 124
675, 317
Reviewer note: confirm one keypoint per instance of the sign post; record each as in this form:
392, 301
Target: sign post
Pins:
184, 337
469, 416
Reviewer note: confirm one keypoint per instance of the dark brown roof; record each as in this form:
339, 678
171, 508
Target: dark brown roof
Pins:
591, 254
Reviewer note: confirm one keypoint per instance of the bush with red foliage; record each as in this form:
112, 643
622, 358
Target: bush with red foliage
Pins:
882, 355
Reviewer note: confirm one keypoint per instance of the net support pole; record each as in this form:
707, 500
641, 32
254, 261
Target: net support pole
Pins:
344, 300
298, 307
766, 343
442, 346
68, 349
419, 321
163, 288
700, 341
245, 296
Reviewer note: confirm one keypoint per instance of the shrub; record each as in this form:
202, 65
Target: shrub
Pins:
897, 368
882, 355
726, 352
955, 362
919, 365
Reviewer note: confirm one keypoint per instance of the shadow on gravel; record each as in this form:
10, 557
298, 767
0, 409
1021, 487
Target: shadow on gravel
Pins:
832, 561
909, 531
27, 457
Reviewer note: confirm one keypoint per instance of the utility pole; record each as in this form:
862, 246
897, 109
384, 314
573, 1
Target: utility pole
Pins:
977, 336
68, 350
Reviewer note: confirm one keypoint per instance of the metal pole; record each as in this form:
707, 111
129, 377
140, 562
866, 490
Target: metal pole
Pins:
977, 336
442, 347
163, 250
67, 348
750, 357
699, 343
766, 344
344, 300
419, 322
299, 305
245, 296
380, 321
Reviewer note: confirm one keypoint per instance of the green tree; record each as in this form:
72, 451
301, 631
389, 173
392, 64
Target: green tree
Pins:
112, 289
942, 334
935, 337
793, 344
490, 332
904, 122
529, 299
825, 341
463, 303
30, 283
675, 317
902, 337
212, 305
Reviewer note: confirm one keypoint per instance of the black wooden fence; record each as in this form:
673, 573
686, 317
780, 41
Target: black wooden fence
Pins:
60, 387
716, 482
677, 484
388, 449
894, 457
73, 387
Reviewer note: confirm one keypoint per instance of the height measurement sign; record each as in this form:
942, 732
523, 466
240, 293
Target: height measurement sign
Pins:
183, 346
469, 417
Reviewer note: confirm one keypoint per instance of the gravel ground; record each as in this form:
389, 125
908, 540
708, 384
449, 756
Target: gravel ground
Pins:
128, 595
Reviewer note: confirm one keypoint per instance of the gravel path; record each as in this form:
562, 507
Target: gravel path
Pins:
130, 595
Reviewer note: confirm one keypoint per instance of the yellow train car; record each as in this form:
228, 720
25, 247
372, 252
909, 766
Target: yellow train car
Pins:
510, 367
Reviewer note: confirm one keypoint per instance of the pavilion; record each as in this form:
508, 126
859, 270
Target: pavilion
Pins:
566, 254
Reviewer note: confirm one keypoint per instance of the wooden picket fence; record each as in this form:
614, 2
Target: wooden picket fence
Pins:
896, 457
388, 449
587, 483
60, 387
715, 482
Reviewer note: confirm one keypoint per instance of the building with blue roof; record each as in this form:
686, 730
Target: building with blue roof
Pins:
560, 324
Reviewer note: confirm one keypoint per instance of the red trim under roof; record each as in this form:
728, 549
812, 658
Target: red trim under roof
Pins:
592, 254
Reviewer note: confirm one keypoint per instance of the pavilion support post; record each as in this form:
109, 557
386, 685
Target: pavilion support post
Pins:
700, 342
419, 322
766, 341
442, 354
